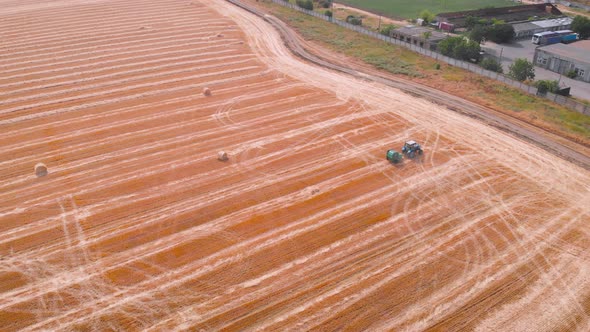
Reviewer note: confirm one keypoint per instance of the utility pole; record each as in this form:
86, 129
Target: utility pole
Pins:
379, 26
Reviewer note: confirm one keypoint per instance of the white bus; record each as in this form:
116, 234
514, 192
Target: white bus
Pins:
550, 37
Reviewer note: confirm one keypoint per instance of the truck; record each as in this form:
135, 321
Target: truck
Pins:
572, 37
554, 37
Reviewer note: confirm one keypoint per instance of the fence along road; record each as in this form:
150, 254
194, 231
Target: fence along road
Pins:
561, 100
555, 144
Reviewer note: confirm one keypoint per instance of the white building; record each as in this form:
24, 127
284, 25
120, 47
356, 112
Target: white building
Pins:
563, 58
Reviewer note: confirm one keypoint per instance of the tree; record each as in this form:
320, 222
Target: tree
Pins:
447, 46
427, 34
547, 85
500, 33
521, 70
478, 33
427, 16
467, 50
492, 65
581, 25
460, 48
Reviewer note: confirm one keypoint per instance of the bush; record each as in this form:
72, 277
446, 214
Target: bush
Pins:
354, 20
437, 66
521, 70
324, 3
305, 4
547, 85
571, 73
491, 64
328, 13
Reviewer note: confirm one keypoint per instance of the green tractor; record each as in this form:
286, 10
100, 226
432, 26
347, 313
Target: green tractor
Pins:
394, 157
412, 149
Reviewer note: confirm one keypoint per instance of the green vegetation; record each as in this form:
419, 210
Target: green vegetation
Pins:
305, 4
521, 70
473, 87
494, 30
478, 33
427, 16
411, 8
581, 25
500, 33
354, 20
544, 86
571, 73
460, 48
491, 64
324, 3
386, 30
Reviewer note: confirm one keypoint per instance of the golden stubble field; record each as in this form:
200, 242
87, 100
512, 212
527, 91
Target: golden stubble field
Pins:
138, 226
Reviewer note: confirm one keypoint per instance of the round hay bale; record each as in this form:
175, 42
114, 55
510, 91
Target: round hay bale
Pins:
40, 170
222, 156
207, 92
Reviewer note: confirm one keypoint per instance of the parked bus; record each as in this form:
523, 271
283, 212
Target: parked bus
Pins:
553, 37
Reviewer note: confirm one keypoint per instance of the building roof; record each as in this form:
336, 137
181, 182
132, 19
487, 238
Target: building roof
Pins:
526, 26
542, 24
554, 22
579, 51
418, 32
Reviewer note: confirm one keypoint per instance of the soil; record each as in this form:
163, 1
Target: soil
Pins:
138, 225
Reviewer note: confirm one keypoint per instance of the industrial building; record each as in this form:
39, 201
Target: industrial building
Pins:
417, 36
564, 58
527, 29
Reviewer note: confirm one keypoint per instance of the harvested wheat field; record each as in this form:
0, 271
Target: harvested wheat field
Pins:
134, 224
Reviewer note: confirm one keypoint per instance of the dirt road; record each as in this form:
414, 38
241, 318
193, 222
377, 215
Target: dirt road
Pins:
565, 148
138, 226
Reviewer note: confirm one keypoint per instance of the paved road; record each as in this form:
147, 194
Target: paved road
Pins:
526, 49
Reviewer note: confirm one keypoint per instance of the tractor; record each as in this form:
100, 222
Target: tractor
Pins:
412, 149
394, 157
